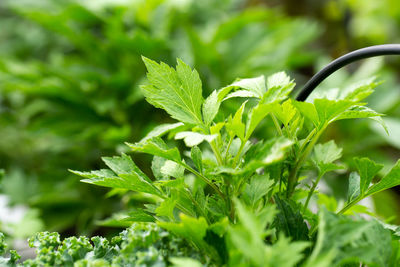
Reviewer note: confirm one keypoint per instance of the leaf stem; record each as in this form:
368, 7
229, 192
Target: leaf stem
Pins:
312, 191
205, 179
197, 205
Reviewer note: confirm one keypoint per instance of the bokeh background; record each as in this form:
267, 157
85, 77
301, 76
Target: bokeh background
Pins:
70, 72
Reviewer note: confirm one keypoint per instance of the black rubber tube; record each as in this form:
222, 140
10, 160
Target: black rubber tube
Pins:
367, 52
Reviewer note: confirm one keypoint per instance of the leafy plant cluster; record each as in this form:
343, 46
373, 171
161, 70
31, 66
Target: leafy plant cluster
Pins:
70, 73
237, 200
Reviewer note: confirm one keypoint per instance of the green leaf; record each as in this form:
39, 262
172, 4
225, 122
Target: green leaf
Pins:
197, 158
235, 126
166, 208
390, 180
328, 110
173, 169
212, 103
367, 170
193, 139
157, 147
324, 155
359, 91
354, 187
160, 130
123, 165
308, 111
257, 114
290, 221
259, 186
266, 153
254, 87
279, 87
284, 112
189, 228
177, 92
185, 262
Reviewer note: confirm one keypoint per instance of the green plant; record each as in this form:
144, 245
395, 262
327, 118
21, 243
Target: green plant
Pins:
239, 201
69, 84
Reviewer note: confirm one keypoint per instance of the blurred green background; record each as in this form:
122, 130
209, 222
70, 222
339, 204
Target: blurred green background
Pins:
69, 87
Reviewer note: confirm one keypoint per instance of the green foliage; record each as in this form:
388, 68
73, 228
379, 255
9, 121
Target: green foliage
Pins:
70, 76
243, 202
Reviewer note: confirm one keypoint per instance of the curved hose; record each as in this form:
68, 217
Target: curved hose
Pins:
367, 52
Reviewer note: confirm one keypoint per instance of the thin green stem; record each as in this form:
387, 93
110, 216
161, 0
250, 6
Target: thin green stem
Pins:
305, 150
310, 193
277, 124
216, 153
351, 204
205, 179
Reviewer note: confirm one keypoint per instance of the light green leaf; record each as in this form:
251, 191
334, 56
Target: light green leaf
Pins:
189, 228
367, 170
185, 262
166, 208
212, 103
279, 87
359, 91
235, 126
284, 112
327, 153
173, 169
354, 187
161, 130
308, 111
123, 165
254, 87
157, 147
193, 139
259, 186
177, 92
390, 180
257, 114
328, 110
197, 158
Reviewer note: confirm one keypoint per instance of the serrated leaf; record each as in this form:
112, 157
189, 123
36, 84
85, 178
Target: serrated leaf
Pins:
162, 129
177, 92
329, 110
123, 165
290, 221
359, 91
390, 180
166, 208
212, 103
367, 170
193, 139
279, 87
324, 155
173, 169
157, 147
254, 87
259, 186
197, 158
284, 112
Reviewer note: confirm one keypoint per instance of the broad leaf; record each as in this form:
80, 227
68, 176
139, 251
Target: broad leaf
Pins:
259, 186
193, 139
177, 92
367, 170
235, 126
212, 103
254, 87
279, 87
173, 169
390, 180
157, 147
197, 158
161, 130
257, 114
354, 187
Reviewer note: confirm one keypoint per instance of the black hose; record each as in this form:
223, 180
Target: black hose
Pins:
371, 51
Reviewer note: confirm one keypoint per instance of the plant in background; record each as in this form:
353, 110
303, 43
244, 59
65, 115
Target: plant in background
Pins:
234, 200
70, 73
